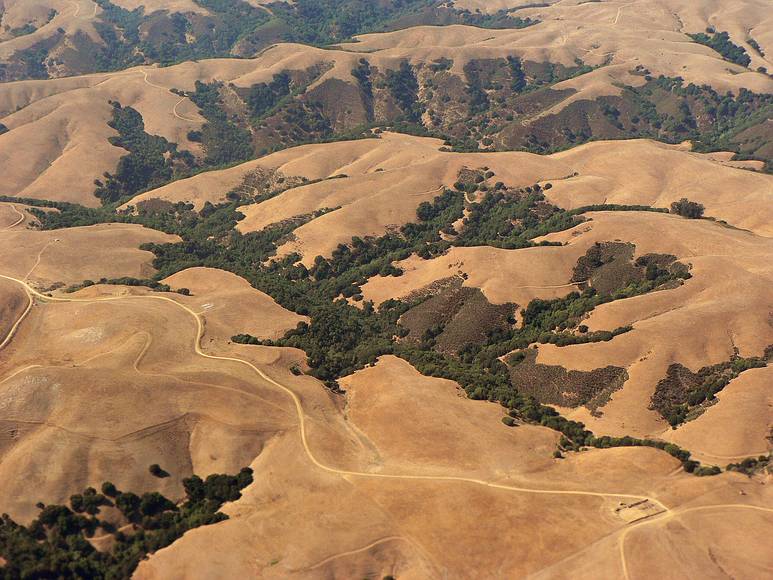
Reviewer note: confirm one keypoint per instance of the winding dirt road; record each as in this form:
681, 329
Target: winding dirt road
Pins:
666, 513
18, 221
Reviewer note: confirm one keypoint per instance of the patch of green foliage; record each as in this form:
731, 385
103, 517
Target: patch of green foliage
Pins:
185, 36
342, 338
495, 20
750, 465
149, 163
55, 544
265, 96
404, 88
686, 208
507, 220
224, 141
720, 41
119, 30
689, 465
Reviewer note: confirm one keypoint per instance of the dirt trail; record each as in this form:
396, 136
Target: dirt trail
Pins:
174, 109
660, 518
358, 550
18, 221
301, 415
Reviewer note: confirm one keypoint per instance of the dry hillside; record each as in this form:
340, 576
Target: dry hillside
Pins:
321, 289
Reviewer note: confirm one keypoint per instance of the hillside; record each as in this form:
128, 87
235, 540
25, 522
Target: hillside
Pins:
326, 288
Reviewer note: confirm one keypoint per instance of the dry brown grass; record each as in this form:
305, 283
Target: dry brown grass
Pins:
114, 388
728, 298
403, 475
59, 127
231, 306
421, 529
388, 178
76, 254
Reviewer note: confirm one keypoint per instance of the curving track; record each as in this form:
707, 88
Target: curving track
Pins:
666, 514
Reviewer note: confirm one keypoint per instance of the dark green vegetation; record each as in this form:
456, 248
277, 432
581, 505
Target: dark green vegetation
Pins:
151, 161
224, 141
686, 208
56, 544
454, 316
342, 338
260, 119
683, 395
229, 28
125, 281
609, 268
506, 219
751, 465
498, 104
720, 41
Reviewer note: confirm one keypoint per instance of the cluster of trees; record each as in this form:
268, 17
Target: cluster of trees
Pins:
499, 19
150, 162
404, 88
518, 83
342, 338
265, 96
237, 27
124, 281
55, 544
682, 392
323, 22
478, 98
225, 142
689, 465
686, 208
362, 73
750, 465
720, 41
132, 37
506, 219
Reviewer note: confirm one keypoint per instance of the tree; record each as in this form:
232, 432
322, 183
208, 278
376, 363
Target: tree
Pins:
686, 208
109, 489
156, 471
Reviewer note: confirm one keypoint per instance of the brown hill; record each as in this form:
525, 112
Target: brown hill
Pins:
58, 125
421, 528
728, 297
386, 179
72, 255
230, 304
